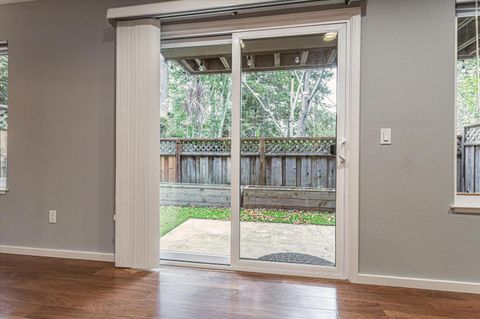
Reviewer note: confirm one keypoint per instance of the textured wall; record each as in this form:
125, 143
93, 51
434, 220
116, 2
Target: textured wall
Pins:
406, 189
61, 113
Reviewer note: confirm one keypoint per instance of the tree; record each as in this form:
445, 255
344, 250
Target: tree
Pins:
3, 79
468, 111
287, 103
274, 104
196, 105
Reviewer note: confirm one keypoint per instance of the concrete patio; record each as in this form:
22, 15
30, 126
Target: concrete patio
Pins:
212, 237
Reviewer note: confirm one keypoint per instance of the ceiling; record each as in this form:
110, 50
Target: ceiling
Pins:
268, 54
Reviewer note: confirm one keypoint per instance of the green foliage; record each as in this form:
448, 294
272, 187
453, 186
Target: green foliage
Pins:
173, 216
3, 79
196, 105
273, 104
276, 91
468, 111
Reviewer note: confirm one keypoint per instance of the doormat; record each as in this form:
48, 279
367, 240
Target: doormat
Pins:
295, 258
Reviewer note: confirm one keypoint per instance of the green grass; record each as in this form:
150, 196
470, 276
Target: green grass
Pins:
172, 216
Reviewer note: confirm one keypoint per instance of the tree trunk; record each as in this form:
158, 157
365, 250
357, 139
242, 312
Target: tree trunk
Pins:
223, 116
292, 107
302, 117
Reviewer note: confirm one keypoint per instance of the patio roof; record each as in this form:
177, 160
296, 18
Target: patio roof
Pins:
302, 52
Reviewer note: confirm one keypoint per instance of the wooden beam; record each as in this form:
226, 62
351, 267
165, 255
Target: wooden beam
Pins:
225, 62
307, 43
252, 61
464, 23
186, 66
332, 56
201, 65
466, 44
277, 59
303, 58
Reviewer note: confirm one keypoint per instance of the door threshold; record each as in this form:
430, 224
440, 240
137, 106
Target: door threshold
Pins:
174, 256
254, 267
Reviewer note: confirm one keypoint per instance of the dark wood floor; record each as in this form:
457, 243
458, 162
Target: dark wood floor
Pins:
38, 287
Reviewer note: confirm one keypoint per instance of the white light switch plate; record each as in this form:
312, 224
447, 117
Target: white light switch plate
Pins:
52, 216
385, 136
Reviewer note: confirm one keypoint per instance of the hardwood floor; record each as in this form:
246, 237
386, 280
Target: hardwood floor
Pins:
39, 287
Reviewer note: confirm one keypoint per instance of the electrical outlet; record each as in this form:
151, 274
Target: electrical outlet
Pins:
52, 216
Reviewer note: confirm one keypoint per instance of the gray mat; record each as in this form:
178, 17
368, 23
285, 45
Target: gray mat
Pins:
295, 258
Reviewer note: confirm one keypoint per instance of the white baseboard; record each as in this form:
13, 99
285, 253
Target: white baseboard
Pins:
58, 253
369, 279
418, 283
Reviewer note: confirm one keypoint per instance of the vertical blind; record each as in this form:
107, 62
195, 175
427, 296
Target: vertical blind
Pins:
137, 144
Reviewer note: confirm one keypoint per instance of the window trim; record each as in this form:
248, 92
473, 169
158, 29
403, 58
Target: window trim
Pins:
463, 203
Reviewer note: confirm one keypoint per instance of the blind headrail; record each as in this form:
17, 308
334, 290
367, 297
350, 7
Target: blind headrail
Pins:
188, 9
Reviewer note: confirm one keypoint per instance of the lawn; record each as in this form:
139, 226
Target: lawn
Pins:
172, 216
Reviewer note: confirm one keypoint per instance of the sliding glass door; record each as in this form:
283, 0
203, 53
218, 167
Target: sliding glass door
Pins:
195, 125
288, 141
253, 150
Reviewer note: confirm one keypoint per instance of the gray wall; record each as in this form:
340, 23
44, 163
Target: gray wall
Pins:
62, 135
406, 189
61, 119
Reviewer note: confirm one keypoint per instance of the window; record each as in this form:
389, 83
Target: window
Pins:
3, 113
468, 99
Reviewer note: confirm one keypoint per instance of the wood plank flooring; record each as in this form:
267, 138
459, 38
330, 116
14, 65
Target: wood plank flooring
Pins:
39, 287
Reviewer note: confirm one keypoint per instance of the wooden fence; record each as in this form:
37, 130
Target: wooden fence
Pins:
300, 162
468, 160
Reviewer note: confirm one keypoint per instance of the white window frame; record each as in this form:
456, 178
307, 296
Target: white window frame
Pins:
463, 203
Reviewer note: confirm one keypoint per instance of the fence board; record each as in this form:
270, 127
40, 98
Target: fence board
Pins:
332, 174
245, 170
172, 169
228, 171
217, 170
306, 171
254, 171
276, 171
321, 172
290, 171
191, 171
477, 169
469, 169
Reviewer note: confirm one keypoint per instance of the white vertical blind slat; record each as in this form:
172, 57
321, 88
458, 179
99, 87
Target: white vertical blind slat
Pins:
137, 144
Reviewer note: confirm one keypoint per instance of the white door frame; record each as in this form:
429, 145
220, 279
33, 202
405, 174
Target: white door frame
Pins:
275, 267
347, 253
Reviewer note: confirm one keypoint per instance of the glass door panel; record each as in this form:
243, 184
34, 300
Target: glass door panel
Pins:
288, 169
195, 158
